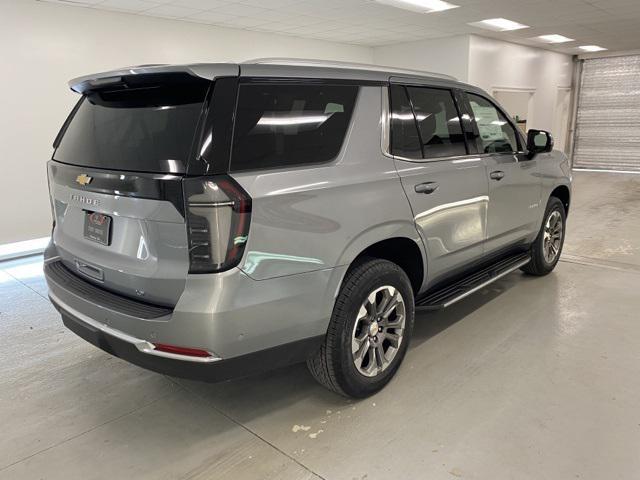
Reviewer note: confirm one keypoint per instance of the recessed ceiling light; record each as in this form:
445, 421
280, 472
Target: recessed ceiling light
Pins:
591, 48
422, 6
554, 38
498, 24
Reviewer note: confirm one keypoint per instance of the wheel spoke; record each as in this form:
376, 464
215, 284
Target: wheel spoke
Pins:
359, 355
380, 357
387, 297
371, 305
394, 339
391, 306
359, 340
372, 366
397, 322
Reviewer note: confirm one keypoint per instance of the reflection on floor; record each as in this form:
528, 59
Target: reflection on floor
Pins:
530, 378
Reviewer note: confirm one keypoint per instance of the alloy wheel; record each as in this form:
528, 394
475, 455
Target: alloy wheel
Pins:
378, 331
552, 239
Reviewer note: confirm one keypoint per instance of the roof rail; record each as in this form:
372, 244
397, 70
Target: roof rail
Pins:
301, 62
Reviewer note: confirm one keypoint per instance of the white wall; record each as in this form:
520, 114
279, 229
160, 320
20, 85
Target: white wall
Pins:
496, 64
516, 102
44, 45
448, 55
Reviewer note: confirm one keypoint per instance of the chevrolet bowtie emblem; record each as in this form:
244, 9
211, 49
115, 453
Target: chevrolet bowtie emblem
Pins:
84, 179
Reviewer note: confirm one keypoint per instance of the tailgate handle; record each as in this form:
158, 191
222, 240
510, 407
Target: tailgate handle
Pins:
90, 271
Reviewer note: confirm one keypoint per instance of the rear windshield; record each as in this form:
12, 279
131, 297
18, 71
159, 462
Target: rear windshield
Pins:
287, 124
144, 128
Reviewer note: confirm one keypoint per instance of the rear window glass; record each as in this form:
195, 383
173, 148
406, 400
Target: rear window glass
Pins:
149, 128
405, 141
438, 122
290, 124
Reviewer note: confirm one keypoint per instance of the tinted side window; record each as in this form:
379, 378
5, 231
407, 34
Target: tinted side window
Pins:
405, 141
496, 133
288, 124
438, 122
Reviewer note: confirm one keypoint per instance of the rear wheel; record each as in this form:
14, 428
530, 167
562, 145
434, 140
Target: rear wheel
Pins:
547, 247
369, 331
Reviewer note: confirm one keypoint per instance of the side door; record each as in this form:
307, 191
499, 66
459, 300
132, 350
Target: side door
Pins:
514, 182
446, 187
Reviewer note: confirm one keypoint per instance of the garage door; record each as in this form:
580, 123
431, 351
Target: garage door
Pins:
608, 122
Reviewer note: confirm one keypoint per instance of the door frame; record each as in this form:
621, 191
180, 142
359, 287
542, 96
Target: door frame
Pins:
530, 102
566, 121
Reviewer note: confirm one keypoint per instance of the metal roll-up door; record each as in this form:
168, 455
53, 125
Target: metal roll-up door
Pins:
608, 115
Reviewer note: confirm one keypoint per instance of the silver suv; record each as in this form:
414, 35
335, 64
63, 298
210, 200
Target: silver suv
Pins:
216, 220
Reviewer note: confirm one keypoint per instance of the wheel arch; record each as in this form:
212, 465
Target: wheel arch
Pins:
563, 194
404, 252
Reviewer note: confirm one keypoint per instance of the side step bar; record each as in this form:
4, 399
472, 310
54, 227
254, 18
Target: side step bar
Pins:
454, 292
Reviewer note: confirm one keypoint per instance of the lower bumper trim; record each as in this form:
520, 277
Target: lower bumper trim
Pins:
222, 369
142, 345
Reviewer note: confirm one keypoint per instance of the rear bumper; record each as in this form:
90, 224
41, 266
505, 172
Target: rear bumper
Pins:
212, 371
246, 325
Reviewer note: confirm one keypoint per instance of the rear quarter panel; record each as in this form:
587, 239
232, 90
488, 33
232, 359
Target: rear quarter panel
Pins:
323, 216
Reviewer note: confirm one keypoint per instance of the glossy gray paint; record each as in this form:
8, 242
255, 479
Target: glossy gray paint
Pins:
452, 219
228, 314
308, 225
317, 217
147, 257
514, 200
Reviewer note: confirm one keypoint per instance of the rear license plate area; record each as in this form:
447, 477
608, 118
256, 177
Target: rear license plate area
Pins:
97, 227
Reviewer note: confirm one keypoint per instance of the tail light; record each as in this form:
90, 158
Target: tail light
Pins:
218, 212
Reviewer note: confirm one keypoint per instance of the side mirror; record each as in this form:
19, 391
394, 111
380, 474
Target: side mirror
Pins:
538, 141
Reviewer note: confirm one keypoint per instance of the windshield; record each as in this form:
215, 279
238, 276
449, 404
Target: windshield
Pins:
144, 128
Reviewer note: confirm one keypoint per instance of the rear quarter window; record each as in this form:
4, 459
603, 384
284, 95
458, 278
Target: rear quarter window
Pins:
280, 125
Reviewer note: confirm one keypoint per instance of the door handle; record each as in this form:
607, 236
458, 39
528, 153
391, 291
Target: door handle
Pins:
427, 187
497, 175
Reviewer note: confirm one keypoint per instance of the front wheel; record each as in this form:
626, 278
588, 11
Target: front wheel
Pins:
369, 331
546, 249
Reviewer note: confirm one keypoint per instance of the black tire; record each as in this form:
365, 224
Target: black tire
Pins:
539, 265
333, 364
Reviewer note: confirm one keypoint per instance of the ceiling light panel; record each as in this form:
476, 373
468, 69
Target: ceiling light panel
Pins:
422, 6
553, 38
498, 25
591, 48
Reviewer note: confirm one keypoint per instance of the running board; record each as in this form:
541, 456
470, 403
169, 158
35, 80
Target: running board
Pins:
454, 292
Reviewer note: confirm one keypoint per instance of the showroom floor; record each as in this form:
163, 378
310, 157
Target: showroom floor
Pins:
532, 378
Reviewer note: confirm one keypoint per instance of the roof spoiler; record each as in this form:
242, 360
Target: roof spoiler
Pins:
207, 71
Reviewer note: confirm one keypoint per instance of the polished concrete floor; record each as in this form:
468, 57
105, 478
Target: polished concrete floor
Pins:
532, 378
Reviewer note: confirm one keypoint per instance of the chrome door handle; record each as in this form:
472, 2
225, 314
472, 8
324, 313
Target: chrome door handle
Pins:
497, 175
427, 187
